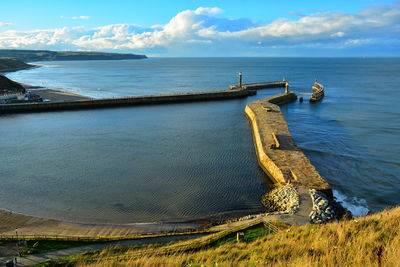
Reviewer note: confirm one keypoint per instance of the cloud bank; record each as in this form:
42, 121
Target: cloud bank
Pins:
4, 24
202, 32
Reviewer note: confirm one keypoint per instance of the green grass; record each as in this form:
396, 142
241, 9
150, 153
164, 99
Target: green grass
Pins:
95, 254
52, 245
250, 234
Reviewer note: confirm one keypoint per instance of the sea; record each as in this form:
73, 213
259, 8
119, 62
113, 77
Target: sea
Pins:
183, 162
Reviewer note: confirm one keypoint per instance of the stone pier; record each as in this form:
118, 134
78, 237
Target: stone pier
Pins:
277, 153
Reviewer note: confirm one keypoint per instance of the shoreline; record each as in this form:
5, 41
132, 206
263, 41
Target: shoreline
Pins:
46, 93
32, 225
29, 225
19, 65
53, 94
56, 95
18, 69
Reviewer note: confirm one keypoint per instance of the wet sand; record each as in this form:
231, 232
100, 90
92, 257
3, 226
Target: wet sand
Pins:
30, 225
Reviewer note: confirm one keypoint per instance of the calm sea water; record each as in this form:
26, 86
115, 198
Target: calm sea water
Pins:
186, 161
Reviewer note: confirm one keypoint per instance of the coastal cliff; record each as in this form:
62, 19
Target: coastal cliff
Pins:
46, 55
12, 64
7, 84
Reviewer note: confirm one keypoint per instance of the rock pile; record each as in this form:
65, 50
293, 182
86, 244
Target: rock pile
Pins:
322, 212
283, 199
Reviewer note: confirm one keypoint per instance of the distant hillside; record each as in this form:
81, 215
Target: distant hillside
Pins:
45, 55
7, 84
11, 64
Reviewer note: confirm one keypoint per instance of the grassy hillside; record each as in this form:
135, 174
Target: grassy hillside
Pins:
370, 241
11, 64
10, 85
45, 55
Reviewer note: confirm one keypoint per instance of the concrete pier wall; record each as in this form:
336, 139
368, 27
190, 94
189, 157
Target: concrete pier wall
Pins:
126, 101
287, 163
260, 85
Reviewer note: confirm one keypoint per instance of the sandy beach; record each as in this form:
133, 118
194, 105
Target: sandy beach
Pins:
30, 225
57, 96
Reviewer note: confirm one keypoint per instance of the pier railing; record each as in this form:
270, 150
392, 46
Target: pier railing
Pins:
260, 85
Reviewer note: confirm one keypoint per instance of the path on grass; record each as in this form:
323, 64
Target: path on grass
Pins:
301, 216
33, 259
194, 240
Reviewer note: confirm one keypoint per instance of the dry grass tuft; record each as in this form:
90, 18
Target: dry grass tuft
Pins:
370, 241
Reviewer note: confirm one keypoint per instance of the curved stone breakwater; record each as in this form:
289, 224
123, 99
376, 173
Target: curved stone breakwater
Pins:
277, 153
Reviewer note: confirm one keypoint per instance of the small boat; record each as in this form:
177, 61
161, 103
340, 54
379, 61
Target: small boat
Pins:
318, 93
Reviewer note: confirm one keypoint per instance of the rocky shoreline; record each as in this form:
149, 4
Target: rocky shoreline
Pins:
284, 202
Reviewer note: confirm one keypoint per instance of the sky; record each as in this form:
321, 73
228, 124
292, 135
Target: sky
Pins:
190, 28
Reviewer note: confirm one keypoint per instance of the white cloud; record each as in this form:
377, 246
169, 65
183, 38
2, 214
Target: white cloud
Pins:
157, 26
358, 42
208, 11
202, 30
81, 17
337, 34
4, 24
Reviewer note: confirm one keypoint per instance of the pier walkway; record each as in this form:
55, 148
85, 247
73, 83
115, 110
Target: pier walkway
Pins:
127, 101
261, 85
277, 153
235, 91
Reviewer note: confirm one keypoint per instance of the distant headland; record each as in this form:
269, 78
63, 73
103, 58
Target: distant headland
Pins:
47, 55
12, 64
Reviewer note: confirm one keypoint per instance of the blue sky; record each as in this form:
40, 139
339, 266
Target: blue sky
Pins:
205, 28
